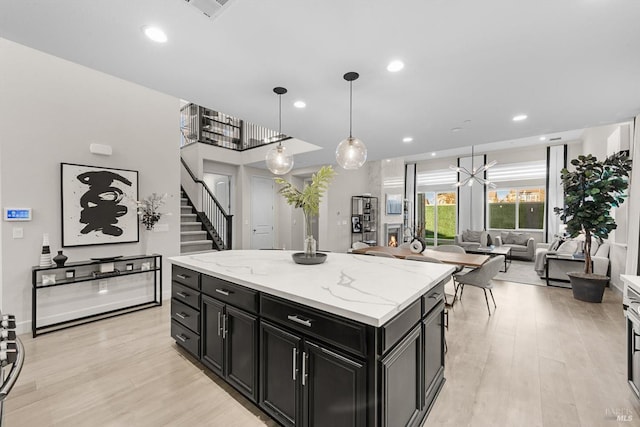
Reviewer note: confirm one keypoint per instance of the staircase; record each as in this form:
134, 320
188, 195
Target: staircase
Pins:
193, 237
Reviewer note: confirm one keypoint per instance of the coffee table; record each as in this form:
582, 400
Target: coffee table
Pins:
495, 251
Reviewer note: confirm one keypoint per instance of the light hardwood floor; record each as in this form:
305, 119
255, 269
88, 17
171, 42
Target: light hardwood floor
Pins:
543, 359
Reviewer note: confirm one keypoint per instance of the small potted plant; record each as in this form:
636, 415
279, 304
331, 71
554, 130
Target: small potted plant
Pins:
591, 190
309, 200
149, 209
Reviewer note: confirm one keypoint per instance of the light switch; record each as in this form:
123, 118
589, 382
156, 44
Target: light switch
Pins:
18, 233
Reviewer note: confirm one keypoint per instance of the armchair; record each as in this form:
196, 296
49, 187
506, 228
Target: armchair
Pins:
471, 239
522, 244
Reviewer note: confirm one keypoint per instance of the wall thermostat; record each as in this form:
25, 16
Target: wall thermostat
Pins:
17, 214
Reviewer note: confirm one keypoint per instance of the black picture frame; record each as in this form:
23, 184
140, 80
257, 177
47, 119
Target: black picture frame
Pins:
128, 267
70, 274
356, 225
90, 218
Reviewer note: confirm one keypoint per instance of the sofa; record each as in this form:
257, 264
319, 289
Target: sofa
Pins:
470, 240
572, 249
522, 245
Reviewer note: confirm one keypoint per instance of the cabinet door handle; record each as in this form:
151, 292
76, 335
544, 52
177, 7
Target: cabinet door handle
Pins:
182, 315
295, 362
182, 294
295, 318
635, 342
223, 292
219, 328
224, 327
304, 367
182, 276
435, 296
182, 338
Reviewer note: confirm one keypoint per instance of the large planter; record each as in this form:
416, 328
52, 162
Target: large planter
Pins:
588, 287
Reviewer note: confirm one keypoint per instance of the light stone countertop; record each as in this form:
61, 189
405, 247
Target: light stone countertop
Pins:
367, 289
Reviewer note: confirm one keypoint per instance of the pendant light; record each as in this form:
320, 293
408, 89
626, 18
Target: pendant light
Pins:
351, 152
278, 160
468, 177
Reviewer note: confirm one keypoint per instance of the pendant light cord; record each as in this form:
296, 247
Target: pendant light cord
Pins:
350, 108
279, 120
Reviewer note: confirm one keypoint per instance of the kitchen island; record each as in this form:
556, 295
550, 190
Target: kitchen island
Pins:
356, 341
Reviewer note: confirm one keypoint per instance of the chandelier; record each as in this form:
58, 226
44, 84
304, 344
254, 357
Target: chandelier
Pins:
468, 177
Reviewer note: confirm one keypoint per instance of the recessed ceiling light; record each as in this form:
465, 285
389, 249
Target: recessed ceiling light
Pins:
299, 104
388, 160
155, 34
543, 138
456, 129
433, 154
407, 139
519, 117
395, 66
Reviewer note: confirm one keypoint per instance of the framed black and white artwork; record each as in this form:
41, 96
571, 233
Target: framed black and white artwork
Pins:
98, 205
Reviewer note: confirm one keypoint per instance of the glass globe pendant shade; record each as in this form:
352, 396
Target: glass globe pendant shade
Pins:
279, 161
351, 153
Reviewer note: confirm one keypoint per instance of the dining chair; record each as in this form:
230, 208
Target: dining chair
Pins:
482, 278
379, 253
359, 245
449, 248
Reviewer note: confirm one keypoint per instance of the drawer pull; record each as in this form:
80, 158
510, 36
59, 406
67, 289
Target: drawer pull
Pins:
182, 338
182, 294
223, 292
182, 276
295, 318
435, 296
182, 315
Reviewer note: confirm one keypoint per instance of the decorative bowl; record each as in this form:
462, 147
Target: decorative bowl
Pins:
302, 258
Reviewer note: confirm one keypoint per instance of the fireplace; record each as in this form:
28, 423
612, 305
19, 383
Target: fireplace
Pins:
393, 234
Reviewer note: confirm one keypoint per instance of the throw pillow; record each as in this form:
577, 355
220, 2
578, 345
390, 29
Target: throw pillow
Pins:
521, 238
568, 247
555, 244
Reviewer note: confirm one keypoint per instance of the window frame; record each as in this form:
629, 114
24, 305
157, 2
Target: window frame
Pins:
518, 189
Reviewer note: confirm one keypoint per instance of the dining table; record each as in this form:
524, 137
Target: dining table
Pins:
466, 260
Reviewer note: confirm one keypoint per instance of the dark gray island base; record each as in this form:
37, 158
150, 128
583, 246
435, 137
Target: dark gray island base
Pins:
308, 367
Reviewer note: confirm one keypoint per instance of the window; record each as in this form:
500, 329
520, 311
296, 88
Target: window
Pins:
516, 208
518, 202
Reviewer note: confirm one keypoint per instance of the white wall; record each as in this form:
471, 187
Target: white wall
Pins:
50, 111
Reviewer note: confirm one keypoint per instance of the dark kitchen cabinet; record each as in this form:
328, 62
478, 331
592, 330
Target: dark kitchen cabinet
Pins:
230, 345
401, 382
433, 340
319, 387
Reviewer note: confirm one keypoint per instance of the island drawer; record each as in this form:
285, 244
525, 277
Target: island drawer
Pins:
337, 330
400, 325
186, 338
188, 316
185, 294
185, 276
230, 293
432, 298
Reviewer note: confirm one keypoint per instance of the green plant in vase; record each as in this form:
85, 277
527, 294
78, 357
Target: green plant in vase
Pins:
309, 200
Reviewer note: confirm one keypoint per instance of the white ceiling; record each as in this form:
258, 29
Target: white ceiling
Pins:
567, 64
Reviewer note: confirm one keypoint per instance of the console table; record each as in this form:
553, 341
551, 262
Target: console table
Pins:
50, 279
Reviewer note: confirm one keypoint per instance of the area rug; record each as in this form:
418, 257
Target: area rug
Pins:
521, 272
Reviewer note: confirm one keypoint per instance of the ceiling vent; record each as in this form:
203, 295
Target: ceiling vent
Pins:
210, 8
556, 139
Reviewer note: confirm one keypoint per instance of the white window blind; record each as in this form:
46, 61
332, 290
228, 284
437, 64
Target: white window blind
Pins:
518, 171
441, 177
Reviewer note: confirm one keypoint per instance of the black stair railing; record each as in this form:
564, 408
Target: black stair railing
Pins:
217, 222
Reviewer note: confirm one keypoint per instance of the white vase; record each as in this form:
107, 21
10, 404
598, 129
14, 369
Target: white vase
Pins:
45, 255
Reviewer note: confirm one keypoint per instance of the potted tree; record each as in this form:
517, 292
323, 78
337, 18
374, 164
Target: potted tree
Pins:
309, 200
591, 190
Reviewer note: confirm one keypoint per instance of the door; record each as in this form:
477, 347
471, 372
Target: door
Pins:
241, 344
220, 186
433, 340
334, 389
440, 217
261, 213
213, 337
402, 383
280, 374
